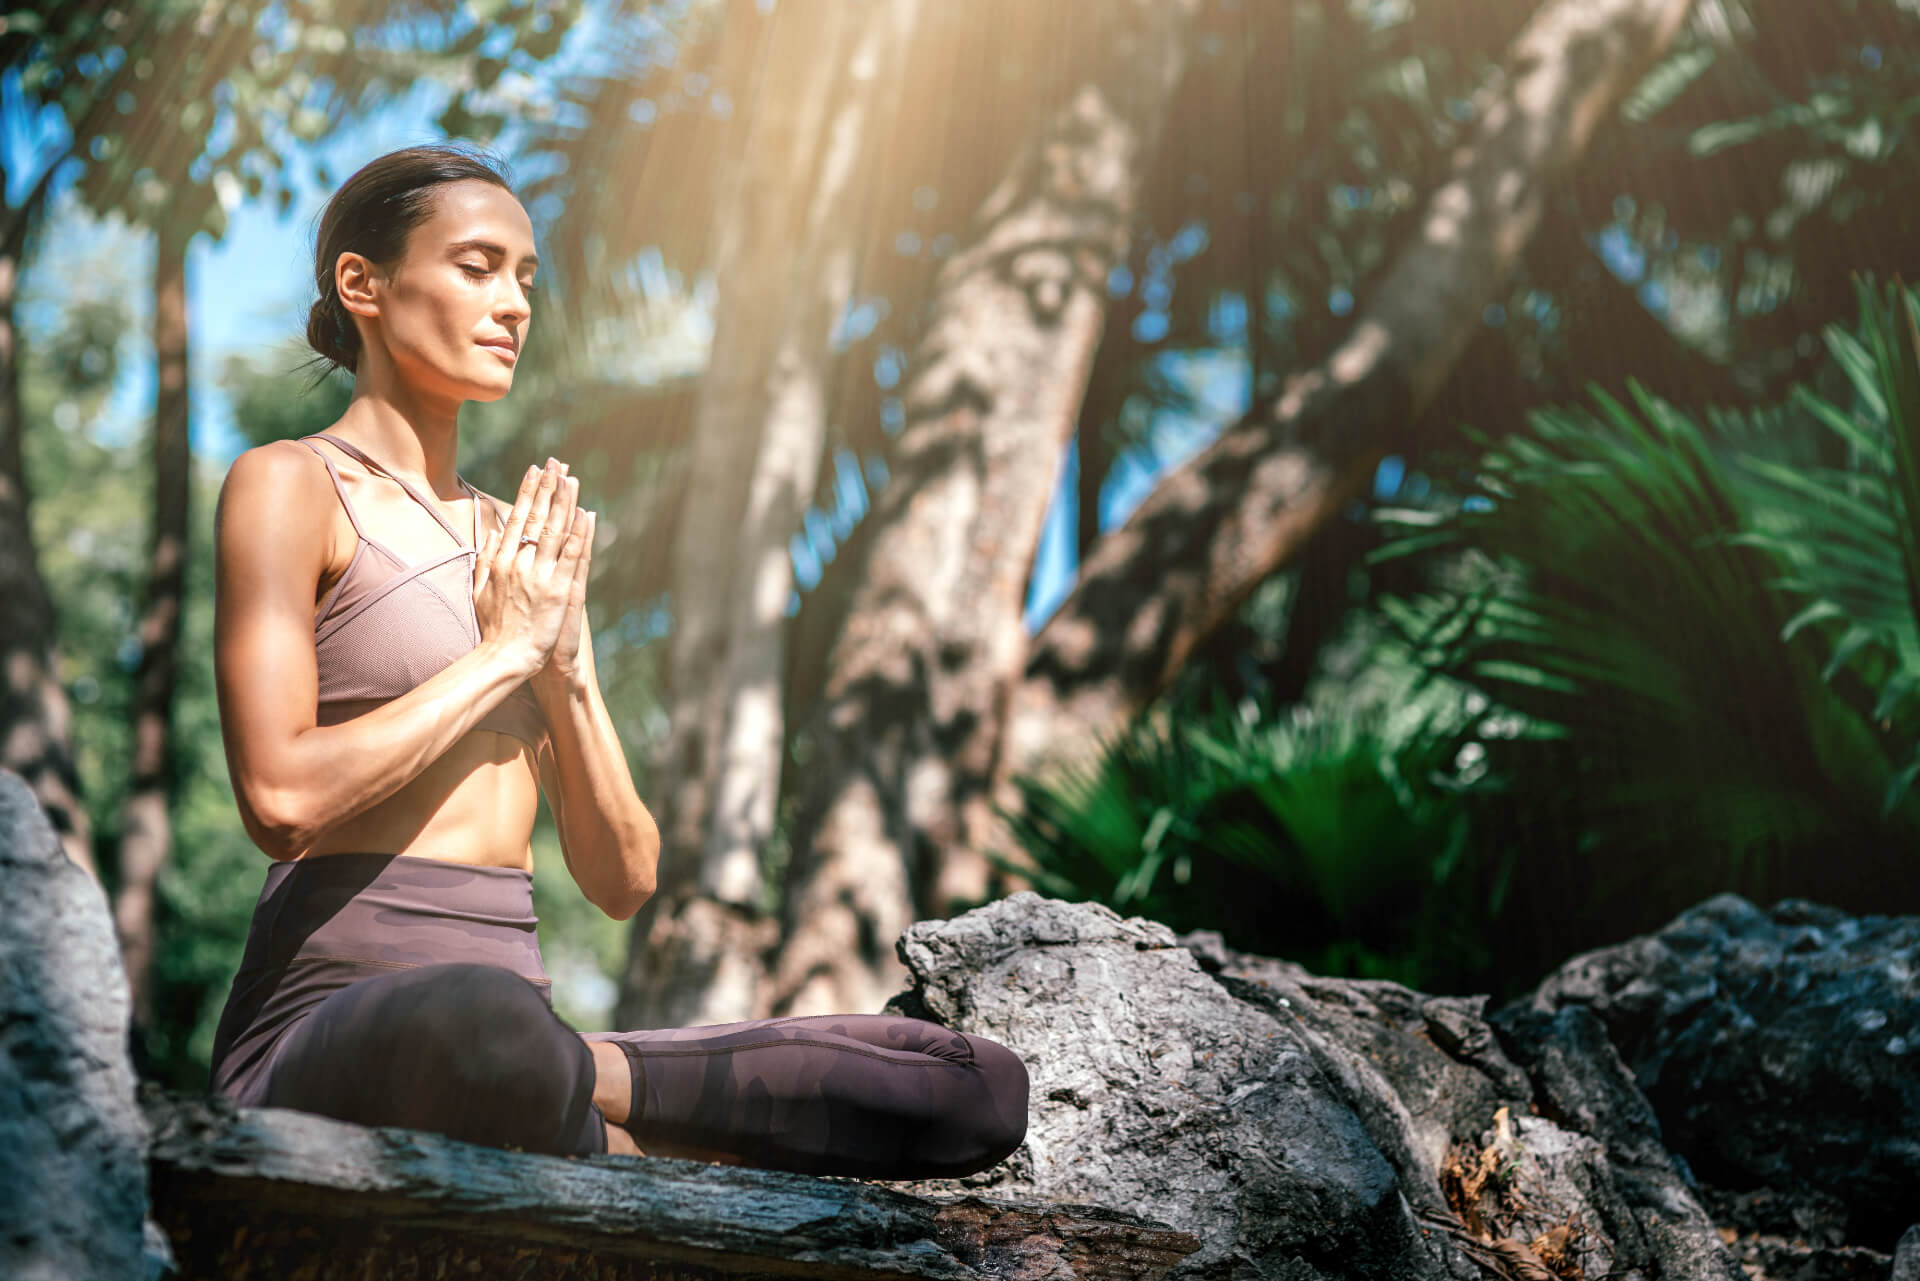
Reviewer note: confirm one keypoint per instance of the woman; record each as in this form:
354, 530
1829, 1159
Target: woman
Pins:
403, 668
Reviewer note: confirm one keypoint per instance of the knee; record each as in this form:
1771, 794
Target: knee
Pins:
477, 1021
1002, 1126
506, 1066
982, 1119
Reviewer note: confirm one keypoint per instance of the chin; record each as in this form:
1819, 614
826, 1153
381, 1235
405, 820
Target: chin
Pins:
492, 386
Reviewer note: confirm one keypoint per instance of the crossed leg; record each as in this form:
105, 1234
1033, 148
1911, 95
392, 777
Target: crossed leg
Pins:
867, 1095
476, 1053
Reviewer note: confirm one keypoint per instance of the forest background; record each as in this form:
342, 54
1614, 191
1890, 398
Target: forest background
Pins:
1421, 488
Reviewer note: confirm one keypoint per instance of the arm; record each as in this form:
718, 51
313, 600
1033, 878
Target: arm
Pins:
609, 840
293, 778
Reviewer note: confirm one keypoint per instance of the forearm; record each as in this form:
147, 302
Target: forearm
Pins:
329, 773
608, 838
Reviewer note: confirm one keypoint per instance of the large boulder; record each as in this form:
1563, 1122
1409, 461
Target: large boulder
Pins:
1300, 1127
73, 1144
1781, 1051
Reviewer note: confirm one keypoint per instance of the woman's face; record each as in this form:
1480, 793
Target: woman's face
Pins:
454, 310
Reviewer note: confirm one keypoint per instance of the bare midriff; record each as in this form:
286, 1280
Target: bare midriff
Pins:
475, 805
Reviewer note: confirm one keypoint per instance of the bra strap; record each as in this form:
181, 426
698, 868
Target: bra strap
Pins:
475, 494
359, 456
339, 489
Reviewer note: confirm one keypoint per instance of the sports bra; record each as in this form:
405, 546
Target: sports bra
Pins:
387, 626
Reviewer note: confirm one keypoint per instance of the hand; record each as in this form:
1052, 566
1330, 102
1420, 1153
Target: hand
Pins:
523, 591
565, 669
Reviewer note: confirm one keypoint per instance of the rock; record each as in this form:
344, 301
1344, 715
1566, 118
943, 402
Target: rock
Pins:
1421, 1072
1432, 1079
280, 1193
1780, 1049
73, 1174
1906, 1256
1581, 1082
1304, 1127
1154, 1085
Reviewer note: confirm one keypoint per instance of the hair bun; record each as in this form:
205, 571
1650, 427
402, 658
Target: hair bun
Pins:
331, 333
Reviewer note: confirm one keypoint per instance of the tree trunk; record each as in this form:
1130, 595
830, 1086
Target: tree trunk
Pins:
907, 735
712, 934
694, 950
145, 828
1152, 590
35, 725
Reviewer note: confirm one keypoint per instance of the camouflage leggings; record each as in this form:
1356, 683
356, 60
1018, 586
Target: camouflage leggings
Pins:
409, 992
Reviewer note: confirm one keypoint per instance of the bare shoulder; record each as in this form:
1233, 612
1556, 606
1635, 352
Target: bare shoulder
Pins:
280, 494
282, 467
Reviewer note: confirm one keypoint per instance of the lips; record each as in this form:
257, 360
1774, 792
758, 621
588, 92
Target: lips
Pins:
503, 347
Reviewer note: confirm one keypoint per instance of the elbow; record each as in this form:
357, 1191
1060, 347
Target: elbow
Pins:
639, 883
621, 907
274, 820
622, 904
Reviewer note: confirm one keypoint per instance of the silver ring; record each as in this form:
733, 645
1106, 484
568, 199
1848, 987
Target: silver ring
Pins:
528, 538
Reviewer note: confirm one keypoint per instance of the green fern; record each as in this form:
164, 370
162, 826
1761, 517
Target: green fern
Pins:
1847, 538
1639, 606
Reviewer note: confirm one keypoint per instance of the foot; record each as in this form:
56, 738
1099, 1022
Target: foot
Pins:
612, 1081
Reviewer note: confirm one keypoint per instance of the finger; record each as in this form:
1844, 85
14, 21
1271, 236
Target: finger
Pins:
517, 518
586, 549
584, 566
579, 543
542, 503
566, 503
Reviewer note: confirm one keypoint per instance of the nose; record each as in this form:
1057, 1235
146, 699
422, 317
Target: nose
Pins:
510, 305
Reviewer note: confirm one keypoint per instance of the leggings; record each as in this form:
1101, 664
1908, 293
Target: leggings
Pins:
392, 990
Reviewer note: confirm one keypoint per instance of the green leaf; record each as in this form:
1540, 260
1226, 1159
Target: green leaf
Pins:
1660, 87
1720, 135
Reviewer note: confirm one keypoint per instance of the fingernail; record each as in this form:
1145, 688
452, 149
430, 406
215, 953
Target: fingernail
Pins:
531, 469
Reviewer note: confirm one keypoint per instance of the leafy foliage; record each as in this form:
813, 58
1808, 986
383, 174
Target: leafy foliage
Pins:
1332, 838
1848, 535
1693, 660
1660, 706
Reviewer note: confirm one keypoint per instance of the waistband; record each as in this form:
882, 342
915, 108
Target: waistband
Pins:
395, 909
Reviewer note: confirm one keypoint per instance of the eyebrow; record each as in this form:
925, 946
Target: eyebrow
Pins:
531, 260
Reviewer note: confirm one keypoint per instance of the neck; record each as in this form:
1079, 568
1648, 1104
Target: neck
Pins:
413, 435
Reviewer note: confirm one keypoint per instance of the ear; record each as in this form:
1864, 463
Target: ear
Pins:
354, 277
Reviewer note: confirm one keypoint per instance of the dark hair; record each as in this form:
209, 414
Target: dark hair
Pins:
372, 214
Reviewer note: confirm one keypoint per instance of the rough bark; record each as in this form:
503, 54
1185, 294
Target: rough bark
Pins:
691, 951
747, 761
36, 733
443, 1208
907, 735
146, 830
1151, 591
